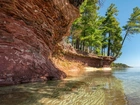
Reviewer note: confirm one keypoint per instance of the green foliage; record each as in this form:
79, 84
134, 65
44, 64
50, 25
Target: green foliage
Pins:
102, 35
132, 26
112, 32
96, 34
86, 31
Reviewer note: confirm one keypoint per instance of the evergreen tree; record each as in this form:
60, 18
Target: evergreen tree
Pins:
89, 22
112, 32
132, 26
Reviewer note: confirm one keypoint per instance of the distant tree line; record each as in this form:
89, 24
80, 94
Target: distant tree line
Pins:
119, 65
102, 35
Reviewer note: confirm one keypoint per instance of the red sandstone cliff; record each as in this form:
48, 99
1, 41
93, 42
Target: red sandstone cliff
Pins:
29, 32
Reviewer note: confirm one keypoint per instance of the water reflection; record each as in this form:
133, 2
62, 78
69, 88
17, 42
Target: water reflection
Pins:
120, 70
90, 89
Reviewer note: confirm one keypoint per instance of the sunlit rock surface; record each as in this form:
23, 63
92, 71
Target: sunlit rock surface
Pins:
29, 32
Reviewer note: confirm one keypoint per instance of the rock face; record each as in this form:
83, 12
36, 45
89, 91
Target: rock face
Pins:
92, 61
29, 32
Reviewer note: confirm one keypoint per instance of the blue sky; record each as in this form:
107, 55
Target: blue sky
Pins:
131, 49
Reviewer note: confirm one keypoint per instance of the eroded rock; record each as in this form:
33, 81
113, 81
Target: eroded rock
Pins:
29, 32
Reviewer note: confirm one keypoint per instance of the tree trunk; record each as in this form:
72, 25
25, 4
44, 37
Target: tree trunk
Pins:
108, 51
77, 43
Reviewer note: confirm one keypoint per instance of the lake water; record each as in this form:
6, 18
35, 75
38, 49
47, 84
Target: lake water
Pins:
131, 84
121, 87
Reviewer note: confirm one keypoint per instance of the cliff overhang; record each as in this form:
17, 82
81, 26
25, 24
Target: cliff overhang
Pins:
29, 33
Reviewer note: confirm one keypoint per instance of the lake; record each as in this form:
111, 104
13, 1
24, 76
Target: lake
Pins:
121, 87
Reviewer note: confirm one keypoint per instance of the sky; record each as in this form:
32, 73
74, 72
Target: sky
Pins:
131, 48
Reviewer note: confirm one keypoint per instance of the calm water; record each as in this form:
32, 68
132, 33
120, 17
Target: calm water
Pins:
131, 84
116, 88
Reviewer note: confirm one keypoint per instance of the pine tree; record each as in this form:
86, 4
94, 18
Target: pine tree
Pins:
132, 26
112, 32
90, 35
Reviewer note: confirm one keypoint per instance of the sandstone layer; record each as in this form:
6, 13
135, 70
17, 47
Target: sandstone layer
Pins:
29, 33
